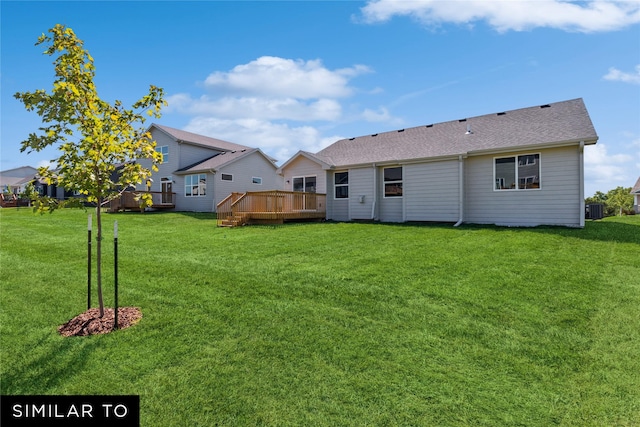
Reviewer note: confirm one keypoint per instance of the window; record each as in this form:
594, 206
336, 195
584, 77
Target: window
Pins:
195, 185
164, 150
392, 182
256, 180
306, 184
227, 177
341, 185
517, 172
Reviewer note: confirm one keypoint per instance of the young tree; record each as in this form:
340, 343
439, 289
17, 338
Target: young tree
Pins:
620, 199
95, 138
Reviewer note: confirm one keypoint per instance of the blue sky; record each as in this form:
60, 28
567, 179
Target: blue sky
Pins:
299, 75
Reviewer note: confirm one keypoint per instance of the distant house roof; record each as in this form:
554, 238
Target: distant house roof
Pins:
308, 155
17, 176
636, 188
560, 123
195, 139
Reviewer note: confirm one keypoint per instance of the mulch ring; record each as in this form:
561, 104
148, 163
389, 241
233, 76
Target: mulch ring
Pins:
90, 322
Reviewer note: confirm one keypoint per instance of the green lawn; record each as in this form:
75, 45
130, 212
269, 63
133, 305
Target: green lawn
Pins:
332, 324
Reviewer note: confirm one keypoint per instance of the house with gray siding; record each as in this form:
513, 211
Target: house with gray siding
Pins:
521, 167
635, 191
200, 171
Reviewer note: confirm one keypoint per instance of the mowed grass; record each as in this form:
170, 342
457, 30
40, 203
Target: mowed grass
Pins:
332, 324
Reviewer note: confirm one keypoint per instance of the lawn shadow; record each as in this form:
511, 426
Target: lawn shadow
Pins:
45, 364
602, 231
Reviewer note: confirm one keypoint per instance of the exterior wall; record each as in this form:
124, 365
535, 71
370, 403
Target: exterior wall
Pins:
302, 166
188, 154
165, 169
243, 170
556, 202
194, 203
432, 191
361, 188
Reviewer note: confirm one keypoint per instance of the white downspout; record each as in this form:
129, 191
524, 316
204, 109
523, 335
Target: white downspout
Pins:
375, 193
581, 213
460, 191
214, 208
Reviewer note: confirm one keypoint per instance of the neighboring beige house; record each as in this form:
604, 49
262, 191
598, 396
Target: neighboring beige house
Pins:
14, 180
198, 171
522, 167
636, 196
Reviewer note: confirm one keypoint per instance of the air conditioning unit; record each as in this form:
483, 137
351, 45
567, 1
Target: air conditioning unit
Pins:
594, 211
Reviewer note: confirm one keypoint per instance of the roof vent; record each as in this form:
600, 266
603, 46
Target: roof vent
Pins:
545, 106
375, 134
400, 130
501, 114
429, 126
468, 132
243, 150
462, 120
351, 139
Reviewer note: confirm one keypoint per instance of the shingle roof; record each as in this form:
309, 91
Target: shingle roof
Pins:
194, 138
636, 187
566, 122
217, 161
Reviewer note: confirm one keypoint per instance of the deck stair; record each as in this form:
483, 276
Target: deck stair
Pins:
270, 207
233, 221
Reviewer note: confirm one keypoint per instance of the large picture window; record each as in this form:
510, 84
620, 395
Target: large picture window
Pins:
393, 182
517, 172
305, 184
195, 185
341, 185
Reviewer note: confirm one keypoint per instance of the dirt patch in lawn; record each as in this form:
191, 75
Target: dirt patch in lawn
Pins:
90, 322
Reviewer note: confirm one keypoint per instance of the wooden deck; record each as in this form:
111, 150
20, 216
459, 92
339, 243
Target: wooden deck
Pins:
270, 207
127, 201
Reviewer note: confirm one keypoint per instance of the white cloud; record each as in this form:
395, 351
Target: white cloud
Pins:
517, 15
257, 104
621, 76
279, 140
279, 77
604, 171
256, 107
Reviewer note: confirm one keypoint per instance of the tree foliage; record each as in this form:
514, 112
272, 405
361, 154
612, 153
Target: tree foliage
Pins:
94, 136
616, 201
98, 141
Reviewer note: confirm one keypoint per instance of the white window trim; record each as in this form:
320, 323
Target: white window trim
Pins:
401, 181
256, 178
159, 150
340, 185
304, 181
199, 192
517, 178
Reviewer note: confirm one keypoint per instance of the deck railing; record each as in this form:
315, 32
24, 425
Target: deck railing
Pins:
270, 206
129, 200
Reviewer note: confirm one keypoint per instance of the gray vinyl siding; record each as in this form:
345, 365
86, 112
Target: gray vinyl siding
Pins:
243, 170
193, 203
361, 184
305, 167
165, 169
432, 191
557, 202
189, 154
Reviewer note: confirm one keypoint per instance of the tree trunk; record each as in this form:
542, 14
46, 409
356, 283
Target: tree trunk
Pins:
99, 256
